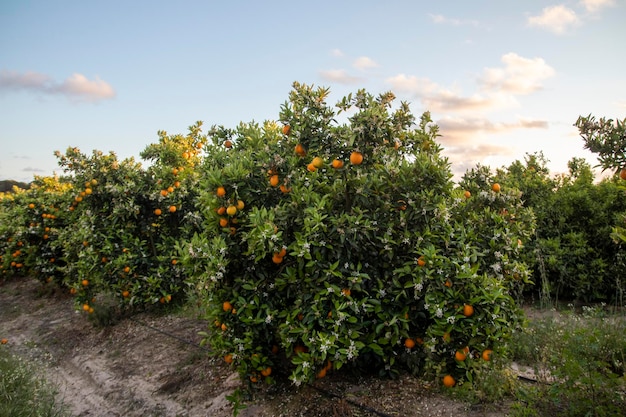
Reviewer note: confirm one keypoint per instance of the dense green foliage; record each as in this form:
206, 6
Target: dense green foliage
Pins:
312, 244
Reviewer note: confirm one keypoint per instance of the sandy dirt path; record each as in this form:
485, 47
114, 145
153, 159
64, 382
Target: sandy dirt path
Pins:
132, 369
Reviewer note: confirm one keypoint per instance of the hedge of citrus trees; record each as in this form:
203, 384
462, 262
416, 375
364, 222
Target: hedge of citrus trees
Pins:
331, 244
333, 237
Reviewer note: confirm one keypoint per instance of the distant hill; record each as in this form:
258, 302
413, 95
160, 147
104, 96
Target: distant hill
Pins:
7, 185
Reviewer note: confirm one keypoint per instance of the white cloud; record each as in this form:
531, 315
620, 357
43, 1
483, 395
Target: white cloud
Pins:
440, 99
519, 76
336, 52
339, 76
593, 6
364, 63
77, 87
457, 130
443, 20
498, 87
558, 19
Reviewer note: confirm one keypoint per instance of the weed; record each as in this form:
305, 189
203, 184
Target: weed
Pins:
579, 360
23, 392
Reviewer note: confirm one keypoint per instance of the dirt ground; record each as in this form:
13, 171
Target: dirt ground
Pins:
133, 369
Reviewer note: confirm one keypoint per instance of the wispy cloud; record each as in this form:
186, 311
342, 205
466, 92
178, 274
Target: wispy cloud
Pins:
459, 130
31, 169
336, 52
557, 19
77, 87
443, 20
363, 63
593, 6
519, 76
339, 76
498, 87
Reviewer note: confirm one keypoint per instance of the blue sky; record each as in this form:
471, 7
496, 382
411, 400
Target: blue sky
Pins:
500, 78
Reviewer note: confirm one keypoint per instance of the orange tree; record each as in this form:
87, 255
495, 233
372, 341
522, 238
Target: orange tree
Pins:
327, 244
13, 232
32, 219
126, 221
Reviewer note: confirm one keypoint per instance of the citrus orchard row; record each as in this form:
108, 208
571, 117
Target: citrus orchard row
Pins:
311, 244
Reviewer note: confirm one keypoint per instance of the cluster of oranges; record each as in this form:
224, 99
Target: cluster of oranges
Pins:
171, 189
87, 191
228, 211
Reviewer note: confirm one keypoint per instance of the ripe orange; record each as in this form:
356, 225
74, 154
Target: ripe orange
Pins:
223, 221
356, 158
175, 171
228, 144
276, 258
300, 349
267, 371
286, 130
224, 327
221, 210
86, 307
85, 282
4, 341
421, 261
72, 291
468, 310
337, 164
127, 269
170, 189
284, 189
125, 294
227, 306
467, 194
240, 204
254, 379
31, 206
321, 374
231, 210
346, 292
88, 191
172, 209
487, 354
157, 212
221, 191
311, 168
300, 151
274, 180
228, 358
496, 187
448, 283
164, 193
460, 356
176, 184
409, 343
317, 162
185, 155
446, 337
174, 261
448, 381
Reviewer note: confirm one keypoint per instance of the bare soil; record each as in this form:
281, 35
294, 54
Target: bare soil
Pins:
136, 368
